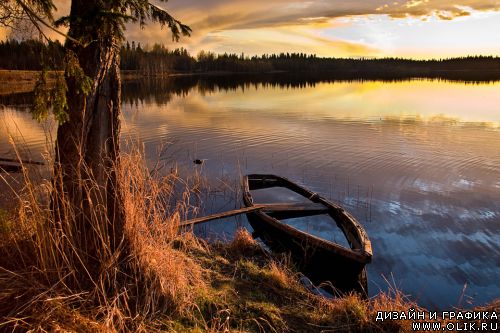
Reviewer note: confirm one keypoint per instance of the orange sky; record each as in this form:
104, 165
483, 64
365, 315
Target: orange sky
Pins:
375, 28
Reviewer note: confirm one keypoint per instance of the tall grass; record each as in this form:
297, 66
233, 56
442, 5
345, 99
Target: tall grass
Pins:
41, 264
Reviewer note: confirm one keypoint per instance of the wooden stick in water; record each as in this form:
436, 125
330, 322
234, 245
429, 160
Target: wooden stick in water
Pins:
20, 161
10, 168
221, 215
309, 208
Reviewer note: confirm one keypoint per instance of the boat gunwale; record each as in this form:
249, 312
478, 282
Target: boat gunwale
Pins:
363, 254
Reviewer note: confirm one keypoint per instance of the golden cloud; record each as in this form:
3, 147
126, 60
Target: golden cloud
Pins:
444, 10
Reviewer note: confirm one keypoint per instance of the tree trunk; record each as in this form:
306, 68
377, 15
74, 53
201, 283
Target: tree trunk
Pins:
87, 147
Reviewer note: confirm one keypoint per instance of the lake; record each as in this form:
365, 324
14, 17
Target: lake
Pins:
417, 162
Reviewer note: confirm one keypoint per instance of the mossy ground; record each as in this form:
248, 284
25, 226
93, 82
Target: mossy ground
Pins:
250, 290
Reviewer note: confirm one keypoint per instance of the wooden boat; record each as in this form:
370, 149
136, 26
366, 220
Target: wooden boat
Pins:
319, 259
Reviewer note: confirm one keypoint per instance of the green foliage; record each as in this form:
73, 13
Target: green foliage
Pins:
110, 19
42, 100
52, 97
159, 15
73, 70
60, 103
110, 23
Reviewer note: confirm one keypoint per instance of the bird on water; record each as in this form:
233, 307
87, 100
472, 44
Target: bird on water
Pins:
199, 162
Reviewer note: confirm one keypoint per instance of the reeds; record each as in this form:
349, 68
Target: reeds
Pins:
43, 262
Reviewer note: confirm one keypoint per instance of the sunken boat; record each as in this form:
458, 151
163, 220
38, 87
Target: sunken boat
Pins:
322, 261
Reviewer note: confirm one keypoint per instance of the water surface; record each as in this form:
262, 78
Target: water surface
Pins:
416, 162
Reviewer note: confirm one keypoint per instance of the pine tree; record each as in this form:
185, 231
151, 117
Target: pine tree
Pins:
87, 104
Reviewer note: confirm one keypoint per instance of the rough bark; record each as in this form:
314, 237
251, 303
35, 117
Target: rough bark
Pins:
87, 147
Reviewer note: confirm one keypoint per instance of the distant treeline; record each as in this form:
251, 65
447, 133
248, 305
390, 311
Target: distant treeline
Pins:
161, 90
33, 55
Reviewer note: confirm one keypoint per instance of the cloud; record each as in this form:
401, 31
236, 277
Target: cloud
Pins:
444, 10
242, 25
259, 26
242, 14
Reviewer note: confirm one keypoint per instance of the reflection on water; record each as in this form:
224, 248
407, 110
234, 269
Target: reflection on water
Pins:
319, 225
322, 226
20, 134
417, 162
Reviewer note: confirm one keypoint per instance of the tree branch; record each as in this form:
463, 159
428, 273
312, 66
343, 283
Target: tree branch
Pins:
35, 19
158, 14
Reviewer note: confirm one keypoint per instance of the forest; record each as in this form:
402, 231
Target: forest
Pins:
158, 59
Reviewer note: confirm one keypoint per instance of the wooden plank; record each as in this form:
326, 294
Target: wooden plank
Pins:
282, 211
295, 207
221, 215
275, 207
12, 160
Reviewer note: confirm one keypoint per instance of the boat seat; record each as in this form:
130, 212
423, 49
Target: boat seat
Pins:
295, 207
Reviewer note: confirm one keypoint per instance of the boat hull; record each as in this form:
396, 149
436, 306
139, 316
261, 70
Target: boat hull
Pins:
318, 264
338, 268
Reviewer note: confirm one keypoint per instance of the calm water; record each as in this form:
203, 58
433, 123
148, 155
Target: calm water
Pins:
417, 162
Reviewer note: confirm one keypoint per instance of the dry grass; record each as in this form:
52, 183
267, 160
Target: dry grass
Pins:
243, 243
262, 294
42, 263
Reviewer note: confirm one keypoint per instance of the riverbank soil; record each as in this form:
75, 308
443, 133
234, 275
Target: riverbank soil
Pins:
14, 81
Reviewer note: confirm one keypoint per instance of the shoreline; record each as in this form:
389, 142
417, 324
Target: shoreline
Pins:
23, 81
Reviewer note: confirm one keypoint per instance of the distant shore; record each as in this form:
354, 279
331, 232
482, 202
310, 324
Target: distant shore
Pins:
20, 81
23, 81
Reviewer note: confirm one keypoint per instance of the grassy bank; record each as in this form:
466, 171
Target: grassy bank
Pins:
16, 81
19, 81
174, 282
12, 82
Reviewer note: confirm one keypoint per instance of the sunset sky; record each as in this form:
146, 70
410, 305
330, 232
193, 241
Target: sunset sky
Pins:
340, 28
